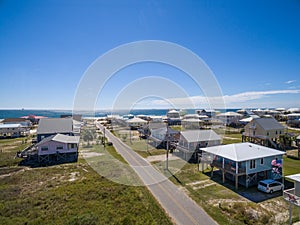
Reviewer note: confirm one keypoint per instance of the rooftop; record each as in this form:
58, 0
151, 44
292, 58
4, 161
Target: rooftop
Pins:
55, 125
242, 151
61, 138
268, 123
294, 177
199, 135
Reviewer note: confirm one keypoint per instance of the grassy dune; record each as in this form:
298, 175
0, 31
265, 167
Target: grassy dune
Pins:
71, 194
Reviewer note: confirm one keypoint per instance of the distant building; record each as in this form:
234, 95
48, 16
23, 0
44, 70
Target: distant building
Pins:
207, 112
136, 123
173, 117
22, 121
13, 130
77, 117
229, 118
52, 126
190, 142
33, 118
293, 110
264, 131
162, 136
293, 120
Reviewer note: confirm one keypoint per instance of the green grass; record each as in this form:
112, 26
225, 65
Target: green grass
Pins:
290, 166
9, 148
223, 203
46, 196
74, 193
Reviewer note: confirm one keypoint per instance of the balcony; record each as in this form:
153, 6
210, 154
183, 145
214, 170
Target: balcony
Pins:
289, 195
228, 167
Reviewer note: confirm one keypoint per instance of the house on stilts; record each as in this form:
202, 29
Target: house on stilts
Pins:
244, 163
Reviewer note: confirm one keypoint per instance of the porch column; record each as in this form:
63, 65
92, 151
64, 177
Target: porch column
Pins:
223, 175
223, 170
236, 167
236, 182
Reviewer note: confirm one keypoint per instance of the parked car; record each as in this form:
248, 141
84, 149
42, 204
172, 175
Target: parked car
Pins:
270, 186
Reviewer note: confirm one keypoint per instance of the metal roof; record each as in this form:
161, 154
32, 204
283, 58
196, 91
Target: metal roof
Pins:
268, 123
242, 151
294, 177
55, 125
230, 114
61, 138
199, 135
66, 139
136, 120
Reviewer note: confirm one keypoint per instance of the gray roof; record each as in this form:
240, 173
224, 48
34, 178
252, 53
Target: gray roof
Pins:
61, 138
242, 151
199, 135
294, 177
55, 125
163, 131
268, 123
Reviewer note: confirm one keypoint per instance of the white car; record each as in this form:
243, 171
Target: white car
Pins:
270, 186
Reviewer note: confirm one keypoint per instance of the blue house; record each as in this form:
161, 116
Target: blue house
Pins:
244, 163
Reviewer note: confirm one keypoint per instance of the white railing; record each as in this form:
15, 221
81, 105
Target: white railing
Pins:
289, 195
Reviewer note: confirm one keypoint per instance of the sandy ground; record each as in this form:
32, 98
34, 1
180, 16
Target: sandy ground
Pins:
155, 158
90, 154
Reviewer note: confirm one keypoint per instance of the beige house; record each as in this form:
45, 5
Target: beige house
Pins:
263, 131
135, 123
265, 127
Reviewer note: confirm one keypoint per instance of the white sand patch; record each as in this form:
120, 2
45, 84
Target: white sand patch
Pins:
90, 154
73, 176
198, 182
201, 184
156, 158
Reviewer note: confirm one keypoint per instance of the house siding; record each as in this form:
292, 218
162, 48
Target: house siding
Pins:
52, 148
255, 129
267, 165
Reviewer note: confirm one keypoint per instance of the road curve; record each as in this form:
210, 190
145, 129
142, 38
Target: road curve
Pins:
179, 206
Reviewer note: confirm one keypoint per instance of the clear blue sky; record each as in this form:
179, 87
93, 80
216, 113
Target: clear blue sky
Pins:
252, 47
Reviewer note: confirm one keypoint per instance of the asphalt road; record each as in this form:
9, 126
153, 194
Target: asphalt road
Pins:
179, 206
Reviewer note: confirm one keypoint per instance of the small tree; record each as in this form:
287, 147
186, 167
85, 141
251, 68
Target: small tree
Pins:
88, 135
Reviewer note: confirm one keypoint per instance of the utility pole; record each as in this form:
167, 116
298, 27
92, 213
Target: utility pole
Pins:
167, 153
104, 137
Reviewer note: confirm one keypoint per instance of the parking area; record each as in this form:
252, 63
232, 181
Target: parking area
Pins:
256, 196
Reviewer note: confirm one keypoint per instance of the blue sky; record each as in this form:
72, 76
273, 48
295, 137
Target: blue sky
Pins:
252, 47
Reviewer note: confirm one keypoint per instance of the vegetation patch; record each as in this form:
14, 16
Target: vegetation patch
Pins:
72, 193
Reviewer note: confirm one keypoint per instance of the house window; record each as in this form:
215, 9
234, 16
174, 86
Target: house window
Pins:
279, 132
70, 146
267, 133
252, 164
276, 132
59, 147
44, 148
262, 161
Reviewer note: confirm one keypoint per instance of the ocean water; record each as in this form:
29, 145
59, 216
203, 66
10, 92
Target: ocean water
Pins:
57, 113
